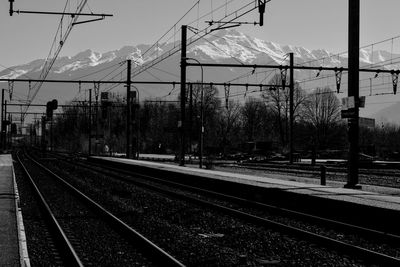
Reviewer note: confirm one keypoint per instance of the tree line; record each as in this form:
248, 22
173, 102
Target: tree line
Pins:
227, 124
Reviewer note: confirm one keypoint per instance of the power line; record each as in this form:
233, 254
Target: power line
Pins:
51, 59
119, 64
223, 51
190, 41
345, 52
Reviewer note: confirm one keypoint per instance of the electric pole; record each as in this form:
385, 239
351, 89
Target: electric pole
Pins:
291, 108
96, 118
90, 123
5, 140
353, 91
128, 109
190, 116
2, 135
43, 137
182, 123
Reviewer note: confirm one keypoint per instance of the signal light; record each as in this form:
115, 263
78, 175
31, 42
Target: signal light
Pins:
261, 10
49, 110
50, 106
11, 7
54, 104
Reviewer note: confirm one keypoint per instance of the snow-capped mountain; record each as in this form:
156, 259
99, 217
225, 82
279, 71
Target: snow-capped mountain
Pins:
225, 46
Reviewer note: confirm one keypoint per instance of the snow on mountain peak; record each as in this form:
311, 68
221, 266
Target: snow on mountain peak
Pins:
222, 45
365, 56
95, 57
14, 74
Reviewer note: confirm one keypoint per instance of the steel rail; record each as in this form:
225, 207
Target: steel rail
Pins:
312, 169
339, 245
70, 256
392, 238
157, 254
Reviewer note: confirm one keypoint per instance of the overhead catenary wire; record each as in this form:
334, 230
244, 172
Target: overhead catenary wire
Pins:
344, 72
119, 64
223, 51
190, 41
346, 52
332, 76
51, 58
169, 30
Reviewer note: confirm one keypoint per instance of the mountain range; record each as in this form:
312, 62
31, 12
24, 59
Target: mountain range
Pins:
225, 46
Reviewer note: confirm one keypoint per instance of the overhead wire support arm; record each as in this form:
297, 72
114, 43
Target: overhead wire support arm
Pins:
72, 14
200, 34
211, 22
173, 83
287, 67
87, 21
225, 27
54, 51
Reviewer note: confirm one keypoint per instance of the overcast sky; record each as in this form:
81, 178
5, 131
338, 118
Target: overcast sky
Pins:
309, 23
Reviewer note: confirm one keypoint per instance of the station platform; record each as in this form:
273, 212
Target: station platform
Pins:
368, 195
371, 205
13, 249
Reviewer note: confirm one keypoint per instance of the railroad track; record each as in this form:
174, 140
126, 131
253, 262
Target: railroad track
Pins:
86, 233
314, 169
223, 203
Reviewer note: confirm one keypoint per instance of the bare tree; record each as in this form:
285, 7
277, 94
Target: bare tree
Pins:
228, 126
253, 112
322, 112
211, 106
278, 100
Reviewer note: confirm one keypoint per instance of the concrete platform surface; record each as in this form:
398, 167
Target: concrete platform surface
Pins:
9, 244
388, 198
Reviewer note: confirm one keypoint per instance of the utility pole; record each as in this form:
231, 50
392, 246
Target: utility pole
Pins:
31, 135
109, 125
5, 126
138, 128
353, 91
43, 134
51, 134
90, 122
34, 131
2, 136
128, 110
9, 138
201, 141
136, 117
183, 94
96, 119
190, 116
291, 108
